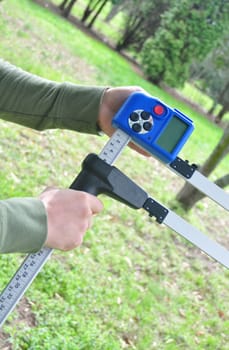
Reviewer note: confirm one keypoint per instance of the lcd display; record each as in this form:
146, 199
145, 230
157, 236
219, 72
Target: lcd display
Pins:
171, 135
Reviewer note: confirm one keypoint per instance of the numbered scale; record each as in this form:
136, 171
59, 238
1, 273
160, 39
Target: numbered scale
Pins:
160, 130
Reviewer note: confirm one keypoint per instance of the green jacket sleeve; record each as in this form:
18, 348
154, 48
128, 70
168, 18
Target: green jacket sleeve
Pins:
39, 104
42, 104
23, 223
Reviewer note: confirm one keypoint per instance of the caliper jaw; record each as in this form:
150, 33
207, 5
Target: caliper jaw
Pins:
98, 177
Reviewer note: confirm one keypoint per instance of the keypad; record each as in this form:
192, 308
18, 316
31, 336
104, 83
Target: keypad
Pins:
140, 121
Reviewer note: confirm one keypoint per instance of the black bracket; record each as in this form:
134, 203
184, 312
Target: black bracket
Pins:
155, 209
183, 167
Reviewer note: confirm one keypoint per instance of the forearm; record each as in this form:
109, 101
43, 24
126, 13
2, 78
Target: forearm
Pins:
42, 104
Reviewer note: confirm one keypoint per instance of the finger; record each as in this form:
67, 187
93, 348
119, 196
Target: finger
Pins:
117, 96
139, 149
90, 220
95, 204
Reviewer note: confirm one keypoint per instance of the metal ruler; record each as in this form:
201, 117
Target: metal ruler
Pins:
199, 181
33, 263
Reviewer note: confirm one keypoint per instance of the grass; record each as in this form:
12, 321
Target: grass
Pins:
132, 284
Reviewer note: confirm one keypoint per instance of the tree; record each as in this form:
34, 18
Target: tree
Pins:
223, 98
189, 195
212, 77
92, 10
117, 6
142, 19
97, 12
66, 7
63, 4
188, 32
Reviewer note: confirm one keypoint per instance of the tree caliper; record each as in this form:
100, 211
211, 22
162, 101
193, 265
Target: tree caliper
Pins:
160, 130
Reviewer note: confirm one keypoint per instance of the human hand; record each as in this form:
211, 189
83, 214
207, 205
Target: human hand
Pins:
69, 215
112, 100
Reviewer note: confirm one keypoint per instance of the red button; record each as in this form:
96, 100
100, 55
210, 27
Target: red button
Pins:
159, 109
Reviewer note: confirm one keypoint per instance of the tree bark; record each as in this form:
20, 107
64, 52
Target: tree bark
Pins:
113, 12
221, 113
68, 8
91, 6
189, 195
129, 33
63, 4
222, 98
213, 107
90, 24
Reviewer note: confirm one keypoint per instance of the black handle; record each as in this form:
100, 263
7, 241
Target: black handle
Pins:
97, 177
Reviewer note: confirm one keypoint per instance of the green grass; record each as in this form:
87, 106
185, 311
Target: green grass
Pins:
133, 284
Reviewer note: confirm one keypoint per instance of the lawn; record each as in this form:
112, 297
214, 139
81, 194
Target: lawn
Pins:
133, 284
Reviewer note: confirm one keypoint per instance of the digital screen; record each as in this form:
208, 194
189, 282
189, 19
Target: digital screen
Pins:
171, 135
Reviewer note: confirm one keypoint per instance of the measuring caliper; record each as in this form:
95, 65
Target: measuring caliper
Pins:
160, 130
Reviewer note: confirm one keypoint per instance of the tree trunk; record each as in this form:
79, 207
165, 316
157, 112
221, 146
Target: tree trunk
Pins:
129, 33
89, 9
213, 107
221, 113
86, 13
68, 8
222, 98
63, 4
90, 24
189, 195
113, 12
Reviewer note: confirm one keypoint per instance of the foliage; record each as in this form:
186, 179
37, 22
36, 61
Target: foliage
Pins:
142, 19
212, 75
188, 32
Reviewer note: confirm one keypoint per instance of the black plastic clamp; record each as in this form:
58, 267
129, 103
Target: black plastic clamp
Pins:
98, 177
183, 167
155, 209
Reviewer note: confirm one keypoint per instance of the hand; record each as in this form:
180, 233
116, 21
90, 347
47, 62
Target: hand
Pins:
69, 214
112, 100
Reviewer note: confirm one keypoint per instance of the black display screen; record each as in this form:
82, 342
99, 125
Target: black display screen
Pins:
172, 134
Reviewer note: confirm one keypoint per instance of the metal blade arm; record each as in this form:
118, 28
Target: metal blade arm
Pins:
199, 181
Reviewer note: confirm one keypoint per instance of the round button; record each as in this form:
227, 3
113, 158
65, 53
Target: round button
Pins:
145, 115
136, 127
134, 116
147, 126
159, 109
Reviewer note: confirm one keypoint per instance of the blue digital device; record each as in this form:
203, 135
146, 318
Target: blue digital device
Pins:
153, 125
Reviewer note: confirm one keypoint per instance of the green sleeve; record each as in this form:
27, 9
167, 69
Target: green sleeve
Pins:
42, 104
39, 104
23, 225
